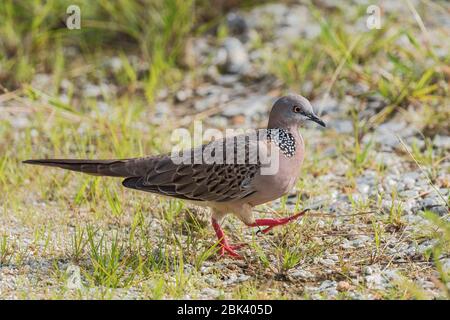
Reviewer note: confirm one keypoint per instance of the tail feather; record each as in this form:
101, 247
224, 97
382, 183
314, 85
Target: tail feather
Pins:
112, 168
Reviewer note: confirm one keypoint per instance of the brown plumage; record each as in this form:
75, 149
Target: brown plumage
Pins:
227, 187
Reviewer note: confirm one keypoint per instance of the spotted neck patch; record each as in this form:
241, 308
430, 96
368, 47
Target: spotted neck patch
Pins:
283, 139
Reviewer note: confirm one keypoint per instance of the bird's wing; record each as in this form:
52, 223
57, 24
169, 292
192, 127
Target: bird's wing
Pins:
211, 181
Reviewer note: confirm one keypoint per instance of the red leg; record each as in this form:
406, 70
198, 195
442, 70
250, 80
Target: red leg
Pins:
224, 245
270, 223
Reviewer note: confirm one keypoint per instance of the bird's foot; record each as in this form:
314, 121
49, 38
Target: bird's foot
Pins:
271, 223
225, 247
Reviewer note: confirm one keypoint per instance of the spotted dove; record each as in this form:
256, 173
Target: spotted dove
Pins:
214, 181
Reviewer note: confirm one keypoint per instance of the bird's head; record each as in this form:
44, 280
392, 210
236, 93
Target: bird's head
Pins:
291, 111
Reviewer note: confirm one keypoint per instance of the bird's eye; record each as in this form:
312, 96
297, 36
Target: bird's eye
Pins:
297, 109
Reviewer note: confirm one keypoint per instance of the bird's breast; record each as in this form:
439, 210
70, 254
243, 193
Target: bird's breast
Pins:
273, 186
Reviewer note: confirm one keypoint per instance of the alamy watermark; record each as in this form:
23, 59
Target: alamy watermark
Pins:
234, 147
73, 20
374, 19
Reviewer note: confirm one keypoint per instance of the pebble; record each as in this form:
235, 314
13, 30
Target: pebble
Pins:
363, 188
211, 279
233, 57
183, 95
248, 106
387, 158
42, 81
409, 194
327, 262
439, 210
376, 281
208, 102
302, 274
368, 270
19, 122
329, 287
442, 142
343, 286
327, 105
115, 63
237, 25
233, 278
341, 126
409, 182
346, 244
445, 265
210, 293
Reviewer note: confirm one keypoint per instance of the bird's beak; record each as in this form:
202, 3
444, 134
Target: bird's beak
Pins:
316, 119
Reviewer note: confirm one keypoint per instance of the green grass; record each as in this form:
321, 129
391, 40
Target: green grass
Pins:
153, 29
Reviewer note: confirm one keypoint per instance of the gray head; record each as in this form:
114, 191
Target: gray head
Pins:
291, 111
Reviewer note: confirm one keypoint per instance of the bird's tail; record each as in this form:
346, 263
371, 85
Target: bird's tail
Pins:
112, 168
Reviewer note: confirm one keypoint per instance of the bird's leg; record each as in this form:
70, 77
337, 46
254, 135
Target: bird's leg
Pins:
224, 245
270, 223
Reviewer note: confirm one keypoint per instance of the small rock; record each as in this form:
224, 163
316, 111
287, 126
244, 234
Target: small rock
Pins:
236, 24
239, 120
192, 52
386, 134
409, 182
430, 202
442, 142
115, 63
363, 188
92, 90
19, 122
326, 105
439, 210
233, 57
210, 293
330, 287
409, 194
346, 244
218, 121
446, 265
381, 280
387, 158
361, 241
211, 279
42, 81
375, 103
226, 79
248, 107
327, 262
183, 95
342, 126
375, 281
368, 270
343, 286
301, 274
233, 278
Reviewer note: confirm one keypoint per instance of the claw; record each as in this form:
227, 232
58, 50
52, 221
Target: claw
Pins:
259, 232
224, 246
230, 251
